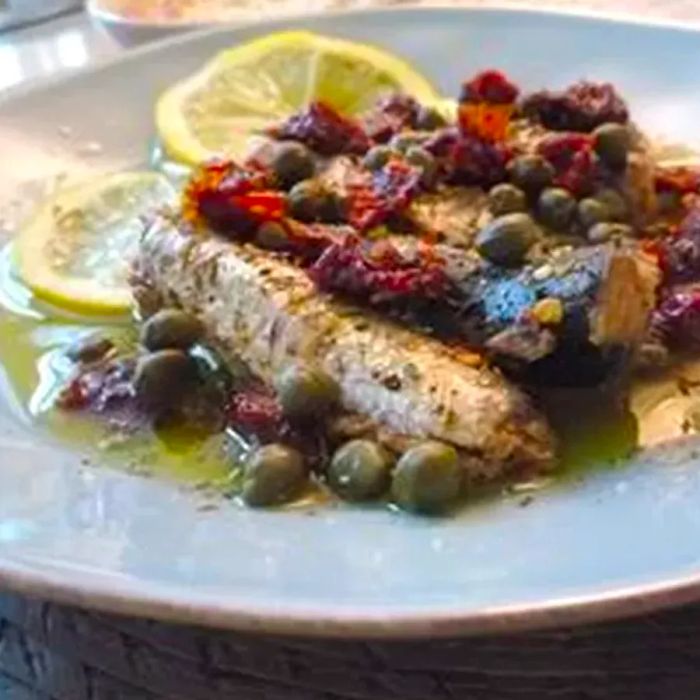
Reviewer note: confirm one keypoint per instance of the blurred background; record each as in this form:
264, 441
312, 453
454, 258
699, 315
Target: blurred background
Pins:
41, 37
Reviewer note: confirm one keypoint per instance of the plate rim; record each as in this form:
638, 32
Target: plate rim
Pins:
177, 604
500, 7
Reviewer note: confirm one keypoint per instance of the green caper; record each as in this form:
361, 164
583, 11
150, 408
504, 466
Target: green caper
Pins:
162, 379
592, 211
507, 239
506, 199
418, 156
429, 119
428, 478
304, 200
332, 209
669, 202
606, 231
360, 471
615, 202
217, 377
306, 392
531, 173
377, 157
171, 328
291, 162
403, 141
556, 208
273, 474
612, 144
272, 236
89, 349
309, 201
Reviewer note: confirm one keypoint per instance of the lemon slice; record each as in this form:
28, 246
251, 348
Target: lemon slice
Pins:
76, 250
447, 107
245, 89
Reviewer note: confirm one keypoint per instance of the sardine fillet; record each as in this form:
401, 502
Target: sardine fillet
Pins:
266, 311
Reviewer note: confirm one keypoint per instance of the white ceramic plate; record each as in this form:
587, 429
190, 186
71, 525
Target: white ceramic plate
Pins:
617, 542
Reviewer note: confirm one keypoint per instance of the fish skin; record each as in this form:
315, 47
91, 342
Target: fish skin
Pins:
259, 307
607, 293
589, 281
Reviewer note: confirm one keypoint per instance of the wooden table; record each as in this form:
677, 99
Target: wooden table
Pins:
51, 652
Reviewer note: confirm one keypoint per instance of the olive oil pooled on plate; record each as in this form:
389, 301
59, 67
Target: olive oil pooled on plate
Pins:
34, 366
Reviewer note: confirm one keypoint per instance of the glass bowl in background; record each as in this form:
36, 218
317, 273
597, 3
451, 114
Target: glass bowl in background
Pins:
133, 22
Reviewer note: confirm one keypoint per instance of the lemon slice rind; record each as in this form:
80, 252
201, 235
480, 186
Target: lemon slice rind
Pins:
270, 78
74, 251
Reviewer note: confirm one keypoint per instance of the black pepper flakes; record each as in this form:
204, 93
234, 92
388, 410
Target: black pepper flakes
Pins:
392, 382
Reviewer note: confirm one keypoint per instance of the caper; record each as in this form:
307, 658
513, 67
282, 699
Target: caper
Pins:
606, 231
377, 157
615, 202
309, 201
360, 471
306, 392
171, 328
507, 239
422, 159
669, 201
403, 141
332, 208
90, 349
429, 119
612, 144
304, 200
162, 379
273, 474
531, 173
428, 478
592, 211
506, 199
291, 162
271, 235
217, 377
556, 208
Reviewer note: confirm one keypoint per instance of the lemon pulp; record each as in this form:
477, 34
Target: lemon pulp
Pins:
76, 249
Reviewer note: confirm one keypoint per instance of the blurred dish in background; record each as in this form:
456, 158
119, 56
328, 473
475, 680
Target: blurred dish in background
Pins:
136, 21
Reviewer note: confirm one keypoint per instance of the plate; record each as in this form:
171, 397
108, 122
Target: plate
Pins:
613, 542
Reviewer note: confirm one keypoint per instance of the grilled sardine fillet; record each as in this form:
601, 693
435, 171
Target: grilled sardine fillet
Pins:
606, 294
267, 312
